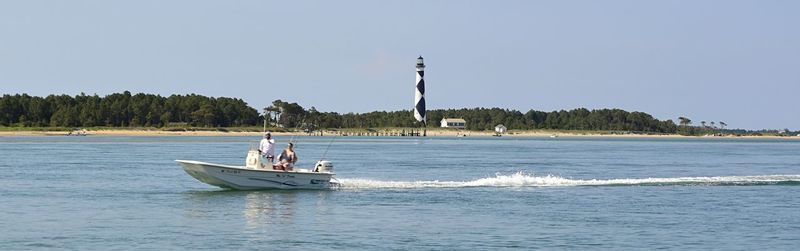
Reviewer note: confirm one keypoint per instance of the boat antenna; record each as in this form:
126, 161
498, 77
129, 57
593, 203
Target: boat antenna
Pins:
302, 120
265, 121
325, 153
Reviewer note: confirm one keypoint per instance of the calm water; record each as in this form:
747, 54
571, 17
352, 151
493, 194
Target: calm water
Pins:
111, 193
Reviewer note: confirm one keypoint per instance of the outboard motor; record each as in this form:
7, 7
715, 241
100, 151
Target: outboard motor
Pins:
323, 166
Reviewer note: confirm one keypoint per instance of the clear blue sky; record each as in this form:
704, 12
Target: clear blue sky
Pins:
731, 61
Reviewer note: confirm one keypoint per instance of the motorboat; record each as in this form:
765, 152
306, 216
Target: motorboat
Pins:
255, 175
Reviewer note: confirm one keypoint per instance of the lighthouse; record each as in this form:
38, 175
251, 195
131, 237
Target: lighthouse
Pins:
419, 97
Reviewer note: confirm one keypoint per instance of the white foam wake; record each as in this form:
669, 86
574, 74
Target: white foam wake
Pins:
521, 179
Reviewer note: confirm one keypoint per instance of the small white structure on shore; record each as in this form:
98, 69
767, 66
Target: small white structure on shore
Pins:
454, 123
500, 129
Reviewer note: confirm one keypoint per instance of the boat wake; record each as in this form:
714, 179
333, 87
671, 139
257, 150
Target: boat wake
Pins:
521, 179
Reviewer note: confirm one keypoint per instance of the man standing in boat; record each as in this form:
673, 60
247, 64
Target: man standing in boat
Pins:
267, 149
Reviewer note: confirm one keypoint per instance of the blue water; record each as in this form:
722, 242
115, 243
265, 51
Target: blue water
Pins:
112, 193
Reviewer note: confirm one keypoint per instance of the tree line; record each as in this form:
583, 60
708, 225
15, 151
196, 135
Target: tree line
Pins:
293, 115
126, 110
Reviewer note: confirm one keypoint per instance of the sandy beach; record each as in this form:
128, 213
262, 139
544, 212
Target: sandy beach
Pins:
356, 132
129, 132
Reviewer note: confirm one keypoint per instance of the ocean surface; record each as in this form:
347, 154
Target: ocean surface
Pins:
123, 193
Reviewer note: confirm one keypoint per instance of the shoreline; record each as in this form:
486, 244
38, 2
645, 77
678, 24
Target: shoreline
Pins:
360, 133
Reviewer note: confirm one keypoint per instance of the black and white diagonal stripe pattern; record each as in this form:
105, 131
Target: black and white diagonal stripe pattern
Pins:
419, 98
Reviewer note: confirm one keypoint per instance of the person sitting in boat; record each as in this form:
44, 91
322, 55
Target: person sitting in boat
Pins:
287, 159
266, 148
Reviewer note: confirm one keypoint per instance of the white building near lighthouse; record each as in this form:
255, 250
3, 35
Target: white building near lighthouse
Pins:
454, 123
500, 129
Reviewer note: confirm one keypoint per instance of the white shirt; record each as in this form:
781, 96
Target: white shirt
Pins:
267, 147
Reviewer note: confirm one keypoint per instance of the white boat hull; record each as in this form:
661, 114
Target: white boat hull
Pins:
243, 178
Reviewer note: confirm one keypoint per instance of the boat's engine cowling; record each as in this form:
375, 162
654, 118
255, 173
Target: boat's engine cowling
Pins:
324, 166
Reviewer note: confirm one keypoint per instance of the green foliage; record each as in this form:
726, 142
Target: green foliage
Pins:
148, 110
123, 109
487, 118
576, 119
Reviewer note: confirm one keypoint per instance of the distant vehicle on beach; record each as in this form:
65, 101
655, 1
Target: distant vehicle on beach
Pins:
77, 132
